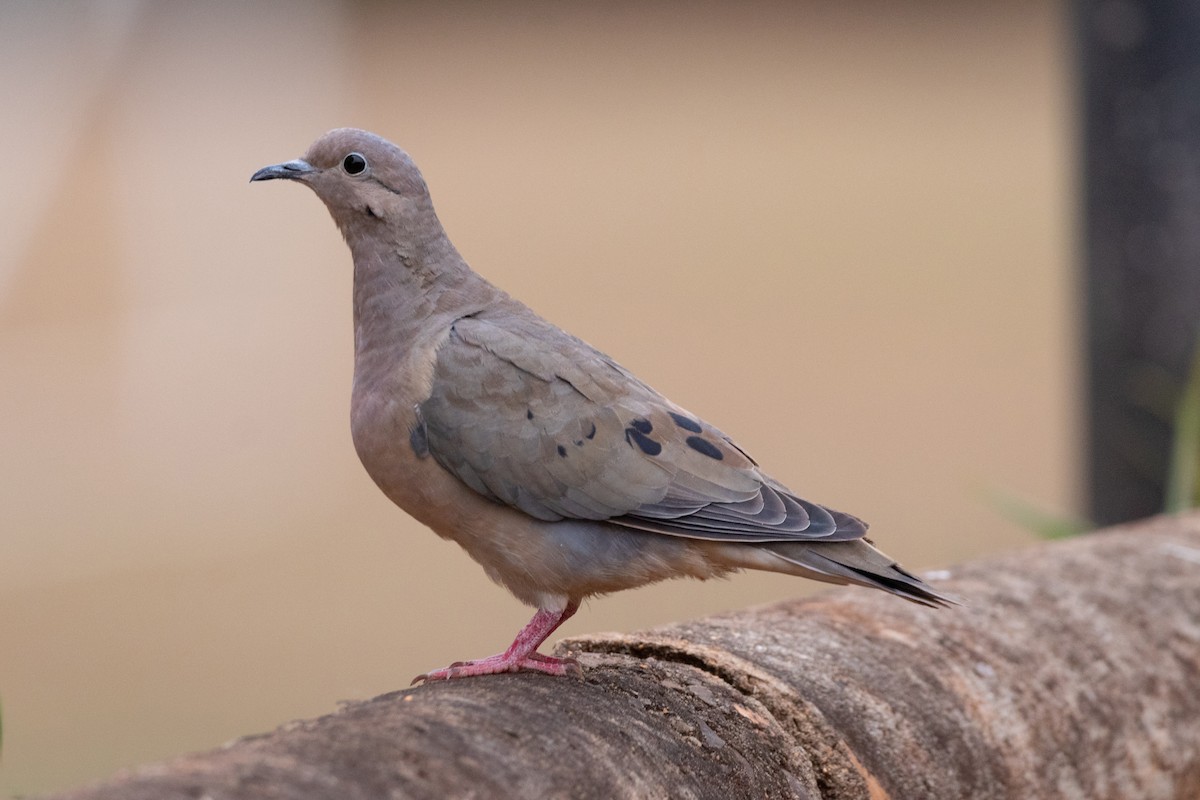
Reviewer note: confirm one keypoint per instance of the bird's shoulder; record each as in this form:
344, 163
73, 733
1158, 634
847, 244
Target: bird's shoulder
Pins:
509, 338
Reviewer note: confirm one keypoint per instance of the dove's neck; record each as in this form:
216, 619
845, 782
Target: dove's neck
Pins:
405, 292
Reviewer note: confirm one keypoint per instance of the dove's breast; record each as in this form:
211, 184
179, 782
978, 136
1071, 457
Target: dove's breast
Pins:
389, 384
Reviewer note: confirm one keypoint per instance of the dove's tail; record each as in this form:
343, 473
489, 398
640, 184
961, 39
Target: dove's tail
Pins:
848, 562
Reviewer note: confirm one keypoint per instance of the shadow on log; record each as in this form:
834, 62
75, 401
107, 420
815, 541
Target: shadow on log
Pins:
1073, 671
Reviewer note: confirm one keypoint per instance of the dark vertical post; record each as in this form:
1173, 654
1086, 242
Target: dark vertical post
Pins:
1141, 239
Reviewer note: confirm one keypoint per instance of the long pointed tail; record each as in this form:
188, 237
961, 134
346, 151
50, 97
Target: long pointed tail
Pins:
851, 562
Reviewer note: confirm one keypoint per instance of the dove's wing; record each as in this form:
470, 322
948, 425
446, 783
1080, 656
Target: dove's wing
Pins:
532, 417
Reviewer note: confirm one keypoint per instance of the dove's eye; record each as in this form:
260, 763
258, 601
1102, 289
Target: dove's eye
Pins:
354, 164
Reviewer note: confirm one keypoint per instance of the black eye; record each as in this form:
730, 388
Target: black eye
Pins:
354, 164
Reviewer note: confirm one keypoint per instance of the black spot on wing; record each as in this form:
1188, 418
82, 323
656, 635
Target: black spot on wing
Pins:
562, 451
687, 423
529, 413
704, 447
641, 425
592, 433
644, 442
418, 439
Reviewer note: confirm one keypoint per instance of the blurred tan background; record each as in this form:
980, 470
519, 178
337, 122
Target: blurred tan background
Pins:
840, 231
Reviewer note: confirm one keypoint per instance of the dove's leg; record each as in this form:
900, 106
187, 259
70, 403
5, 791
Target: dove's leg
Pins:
522, 654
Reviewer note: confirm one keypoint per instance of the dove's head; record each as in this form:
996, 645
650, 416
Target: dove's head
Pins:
364, 180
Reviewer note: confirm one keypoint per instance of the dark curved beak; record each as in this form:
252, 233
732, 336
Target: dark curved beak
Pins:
288, 170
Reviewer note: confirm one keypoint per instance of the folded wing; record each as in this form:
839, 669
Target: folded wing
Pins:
532, 417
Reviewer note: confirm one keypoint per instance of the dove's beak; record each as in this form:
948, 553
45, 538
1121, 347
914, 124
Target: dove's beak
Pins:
289, 170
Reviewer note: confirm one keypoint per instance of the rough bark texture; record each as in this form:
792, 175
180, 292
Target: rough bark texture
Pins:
1073, 671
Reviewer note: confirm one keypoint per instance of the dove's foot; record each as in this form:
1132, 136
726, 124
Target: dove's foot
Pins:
521, 655
494, 665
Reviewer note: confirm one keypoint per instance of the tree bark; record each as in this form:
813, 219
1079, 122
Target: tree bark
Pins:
1071, 671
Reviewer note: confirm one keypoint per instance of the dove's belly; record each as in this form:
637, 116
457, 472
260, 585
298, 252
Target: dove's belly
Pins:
539, 561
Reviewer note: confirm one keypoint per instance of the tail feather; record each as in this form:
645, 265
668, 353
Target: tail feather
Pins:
854, 562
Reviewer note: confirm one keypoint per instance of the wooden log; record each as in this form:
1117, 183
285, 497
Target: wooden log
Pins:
1072, 671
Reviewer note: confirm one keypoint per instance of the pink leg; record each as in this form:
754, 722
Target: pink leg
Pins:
522, 654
